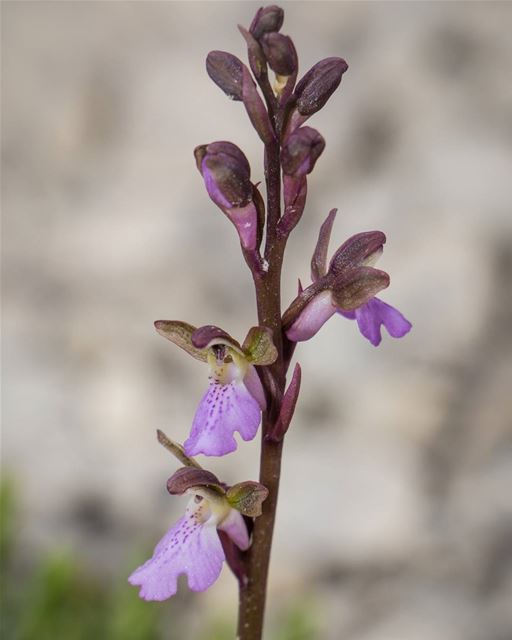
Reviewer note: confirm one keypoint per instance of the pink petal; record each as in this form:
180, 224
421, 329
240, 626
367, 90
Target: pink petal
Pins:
312, 317
189, 547
234, 525
245, 220
224, 409
253, 383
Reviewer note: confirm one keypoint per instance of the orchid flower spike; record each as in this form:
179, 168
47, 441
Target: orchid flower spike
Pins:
235, 397
192, 546
348, 287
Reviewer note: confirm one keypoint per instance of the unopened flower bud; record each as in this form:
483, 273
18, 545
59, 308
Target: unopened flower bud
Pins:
226, 70
280, 53
267, 20
226, 173
319, 83
301, 151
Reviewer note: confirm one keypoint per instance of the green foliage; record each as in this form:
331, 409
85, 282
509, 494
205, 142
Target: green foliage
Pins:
6, 519
131, 618
60, 603
298, 623
221, 629
60, 600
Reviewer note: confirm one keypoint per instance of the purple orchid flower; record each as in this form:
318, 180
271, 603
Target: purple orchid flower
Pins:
347, 287
193, 546
235, 397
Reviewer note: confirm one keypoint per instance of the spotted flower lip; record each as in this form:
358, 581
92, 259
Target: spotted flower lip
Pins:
235, 397
347, 287
192, 547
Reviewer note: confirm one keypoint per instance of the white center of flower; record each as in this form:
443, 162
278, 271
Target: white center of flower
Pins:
208, 505
231, 366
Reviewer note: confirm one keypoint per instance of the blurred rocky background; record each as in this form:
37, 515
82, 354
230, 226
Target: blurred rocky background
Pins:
395, 517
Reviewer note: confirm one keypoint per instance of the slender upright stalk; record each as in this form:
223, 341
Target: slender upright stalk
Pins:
252, 595
234, 399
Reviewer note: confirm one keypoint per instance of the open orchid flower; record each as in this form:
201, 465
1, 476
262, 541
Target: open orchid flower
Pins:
235, 397
192, 546
347, 287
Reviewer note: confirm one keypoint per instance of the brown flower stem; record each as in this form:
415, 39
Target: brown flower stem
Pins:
252, 593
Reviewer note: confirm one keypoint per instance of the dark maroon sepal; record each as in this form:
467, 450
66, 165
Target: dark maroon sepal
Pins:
225, 70
255, 55
295, 191
356, 287
267, 20
259, 203
287, 407
319, 83
256, 109
234, 557
356, 250
188, 477
319, 259
287, 90
203, 337
303, 299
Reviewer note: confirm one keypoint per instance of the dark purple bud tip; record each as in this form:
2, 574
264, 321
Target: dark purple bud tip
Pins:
188, 477
226, 173
362, 249
226, 70
266, 20
301, 151
319, 83
354, 288
280, 53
